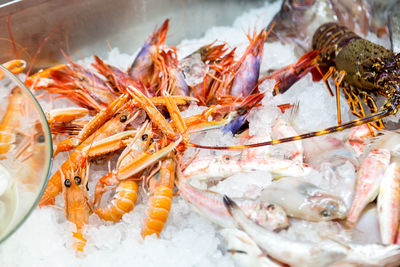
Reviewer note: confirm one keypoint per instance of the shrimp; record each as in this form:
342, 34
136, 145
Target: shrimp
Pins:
204, 68
65, 114
116, 79
161, 189
123, 201
126, 191
170, 79
14, 66
246, 77
32, 80
29, 173
77, 207
80, 154
94, 124
141, 68
11, 119
81, 86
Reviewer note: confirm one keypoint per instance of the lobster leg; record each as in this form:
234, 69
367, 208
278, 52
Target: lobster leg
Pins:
370, 102
356, 107
328, 74
354, 103
338, 82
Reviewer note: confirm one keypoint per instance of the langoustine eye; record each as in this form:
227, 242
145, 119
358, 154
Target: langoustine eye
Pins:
67, 183
123, 118
77, 180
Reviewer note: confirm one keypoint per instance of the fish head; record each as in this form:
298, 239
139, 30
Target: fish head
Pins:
272, 216
328, 207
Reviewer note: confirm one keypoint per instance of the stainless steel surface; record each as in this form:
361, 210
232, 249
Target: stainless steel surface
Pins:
83, 28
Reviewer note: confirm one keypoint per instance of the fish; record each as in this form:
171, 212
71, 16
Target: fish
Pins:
368, 179
389, 204
305, 253
222, 166
210, 205
304, 200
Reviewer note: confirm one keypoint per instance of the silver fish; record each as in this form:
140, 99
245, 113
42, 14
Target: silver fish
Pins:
301, 199
325, 253
210, 205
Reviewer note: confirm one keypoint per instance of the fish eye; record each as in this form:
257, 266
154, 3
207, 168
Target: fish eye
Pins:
77, 180
271, 207
145, 137
67, 183
40, 139
227, 158
325, 213
332, 206
123, 118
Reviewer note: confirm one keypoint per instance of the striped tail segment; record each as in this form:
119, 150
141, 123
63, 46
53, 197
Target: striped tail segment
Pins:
371, 118
157, 215
123, 201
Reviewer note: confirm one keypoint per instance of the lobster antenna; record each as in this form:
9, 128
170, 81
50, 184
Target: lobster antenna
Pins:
373, 117
390, 30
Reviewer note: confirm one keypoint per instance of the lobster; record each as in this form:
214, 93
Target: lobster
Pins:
360, 67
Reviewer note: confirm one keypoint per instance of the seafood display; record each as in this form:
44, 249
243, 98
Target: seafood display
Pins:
205, 129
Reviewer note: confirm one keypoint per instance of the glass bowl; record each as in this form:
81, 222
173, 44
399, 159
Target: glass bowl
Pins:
25, 153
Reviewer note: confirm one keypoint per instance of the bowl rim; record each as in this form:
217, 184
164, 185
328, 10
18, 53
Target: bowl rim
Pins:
49, 143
